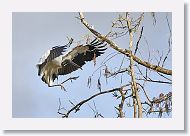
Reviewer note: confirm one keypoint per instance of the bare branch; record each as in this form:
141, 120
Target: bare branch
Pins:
121, 114
136, 98
169, 42
154, 81
124, 51
95, 111
145, 92
77, 106
59, 109
137, 45
154, 17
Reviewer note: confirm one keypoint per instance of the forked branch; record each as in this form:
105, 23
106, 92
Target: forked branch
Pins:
123, 51
77, 106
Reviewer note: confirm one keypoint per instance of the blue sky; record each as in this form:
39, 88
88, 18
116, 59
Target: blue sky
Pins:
35, 33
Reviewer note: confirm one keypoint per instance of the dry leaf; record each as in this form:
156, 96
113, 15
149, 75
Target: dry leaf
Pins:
94, 58
99, 85
89, 82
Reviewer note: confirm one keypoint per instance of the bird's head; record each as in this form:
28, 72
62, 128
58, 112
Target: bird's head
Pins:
37, 66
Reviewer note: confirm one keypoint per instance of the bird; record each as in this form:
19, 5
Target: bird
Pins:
56, 62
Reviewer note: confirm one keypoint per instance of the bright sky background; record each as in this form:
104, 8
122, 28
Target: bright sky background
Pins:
35, 33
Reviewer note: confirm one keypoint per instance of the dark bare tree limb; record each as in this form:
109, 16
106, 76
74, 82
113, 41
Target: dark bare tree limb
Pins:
155, 81
137, 45
77, 106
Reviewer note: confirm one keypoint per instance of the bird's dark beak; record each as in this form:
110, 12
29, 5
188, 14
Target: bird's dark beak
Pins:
38, 67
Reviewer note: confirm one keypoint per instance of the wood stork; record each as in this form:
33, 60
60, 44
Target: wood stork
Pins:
54, 63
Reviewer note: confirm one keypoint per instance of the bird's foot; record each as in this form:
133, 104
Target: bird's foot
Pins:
62, 87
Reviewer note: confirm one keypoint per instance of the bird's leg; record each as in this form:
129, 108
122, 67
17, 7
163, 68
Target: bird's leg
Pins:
70, 78
62, 87
61, 84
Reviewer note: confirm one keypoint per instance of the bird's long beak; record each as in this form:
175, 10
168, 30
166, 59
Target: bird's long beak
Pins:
38, 69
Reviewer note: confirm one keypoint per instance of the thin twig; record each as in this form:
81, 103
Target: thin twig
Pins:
155, 81
137, 45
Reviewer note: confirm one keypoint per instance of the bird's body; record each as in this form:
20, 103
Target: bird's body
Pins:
49, 69
54, 63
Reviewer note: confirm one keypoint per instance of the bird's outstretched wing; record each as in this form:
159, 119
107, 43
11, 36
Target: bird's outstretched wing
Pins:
80, 55
56, 52
50, 55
